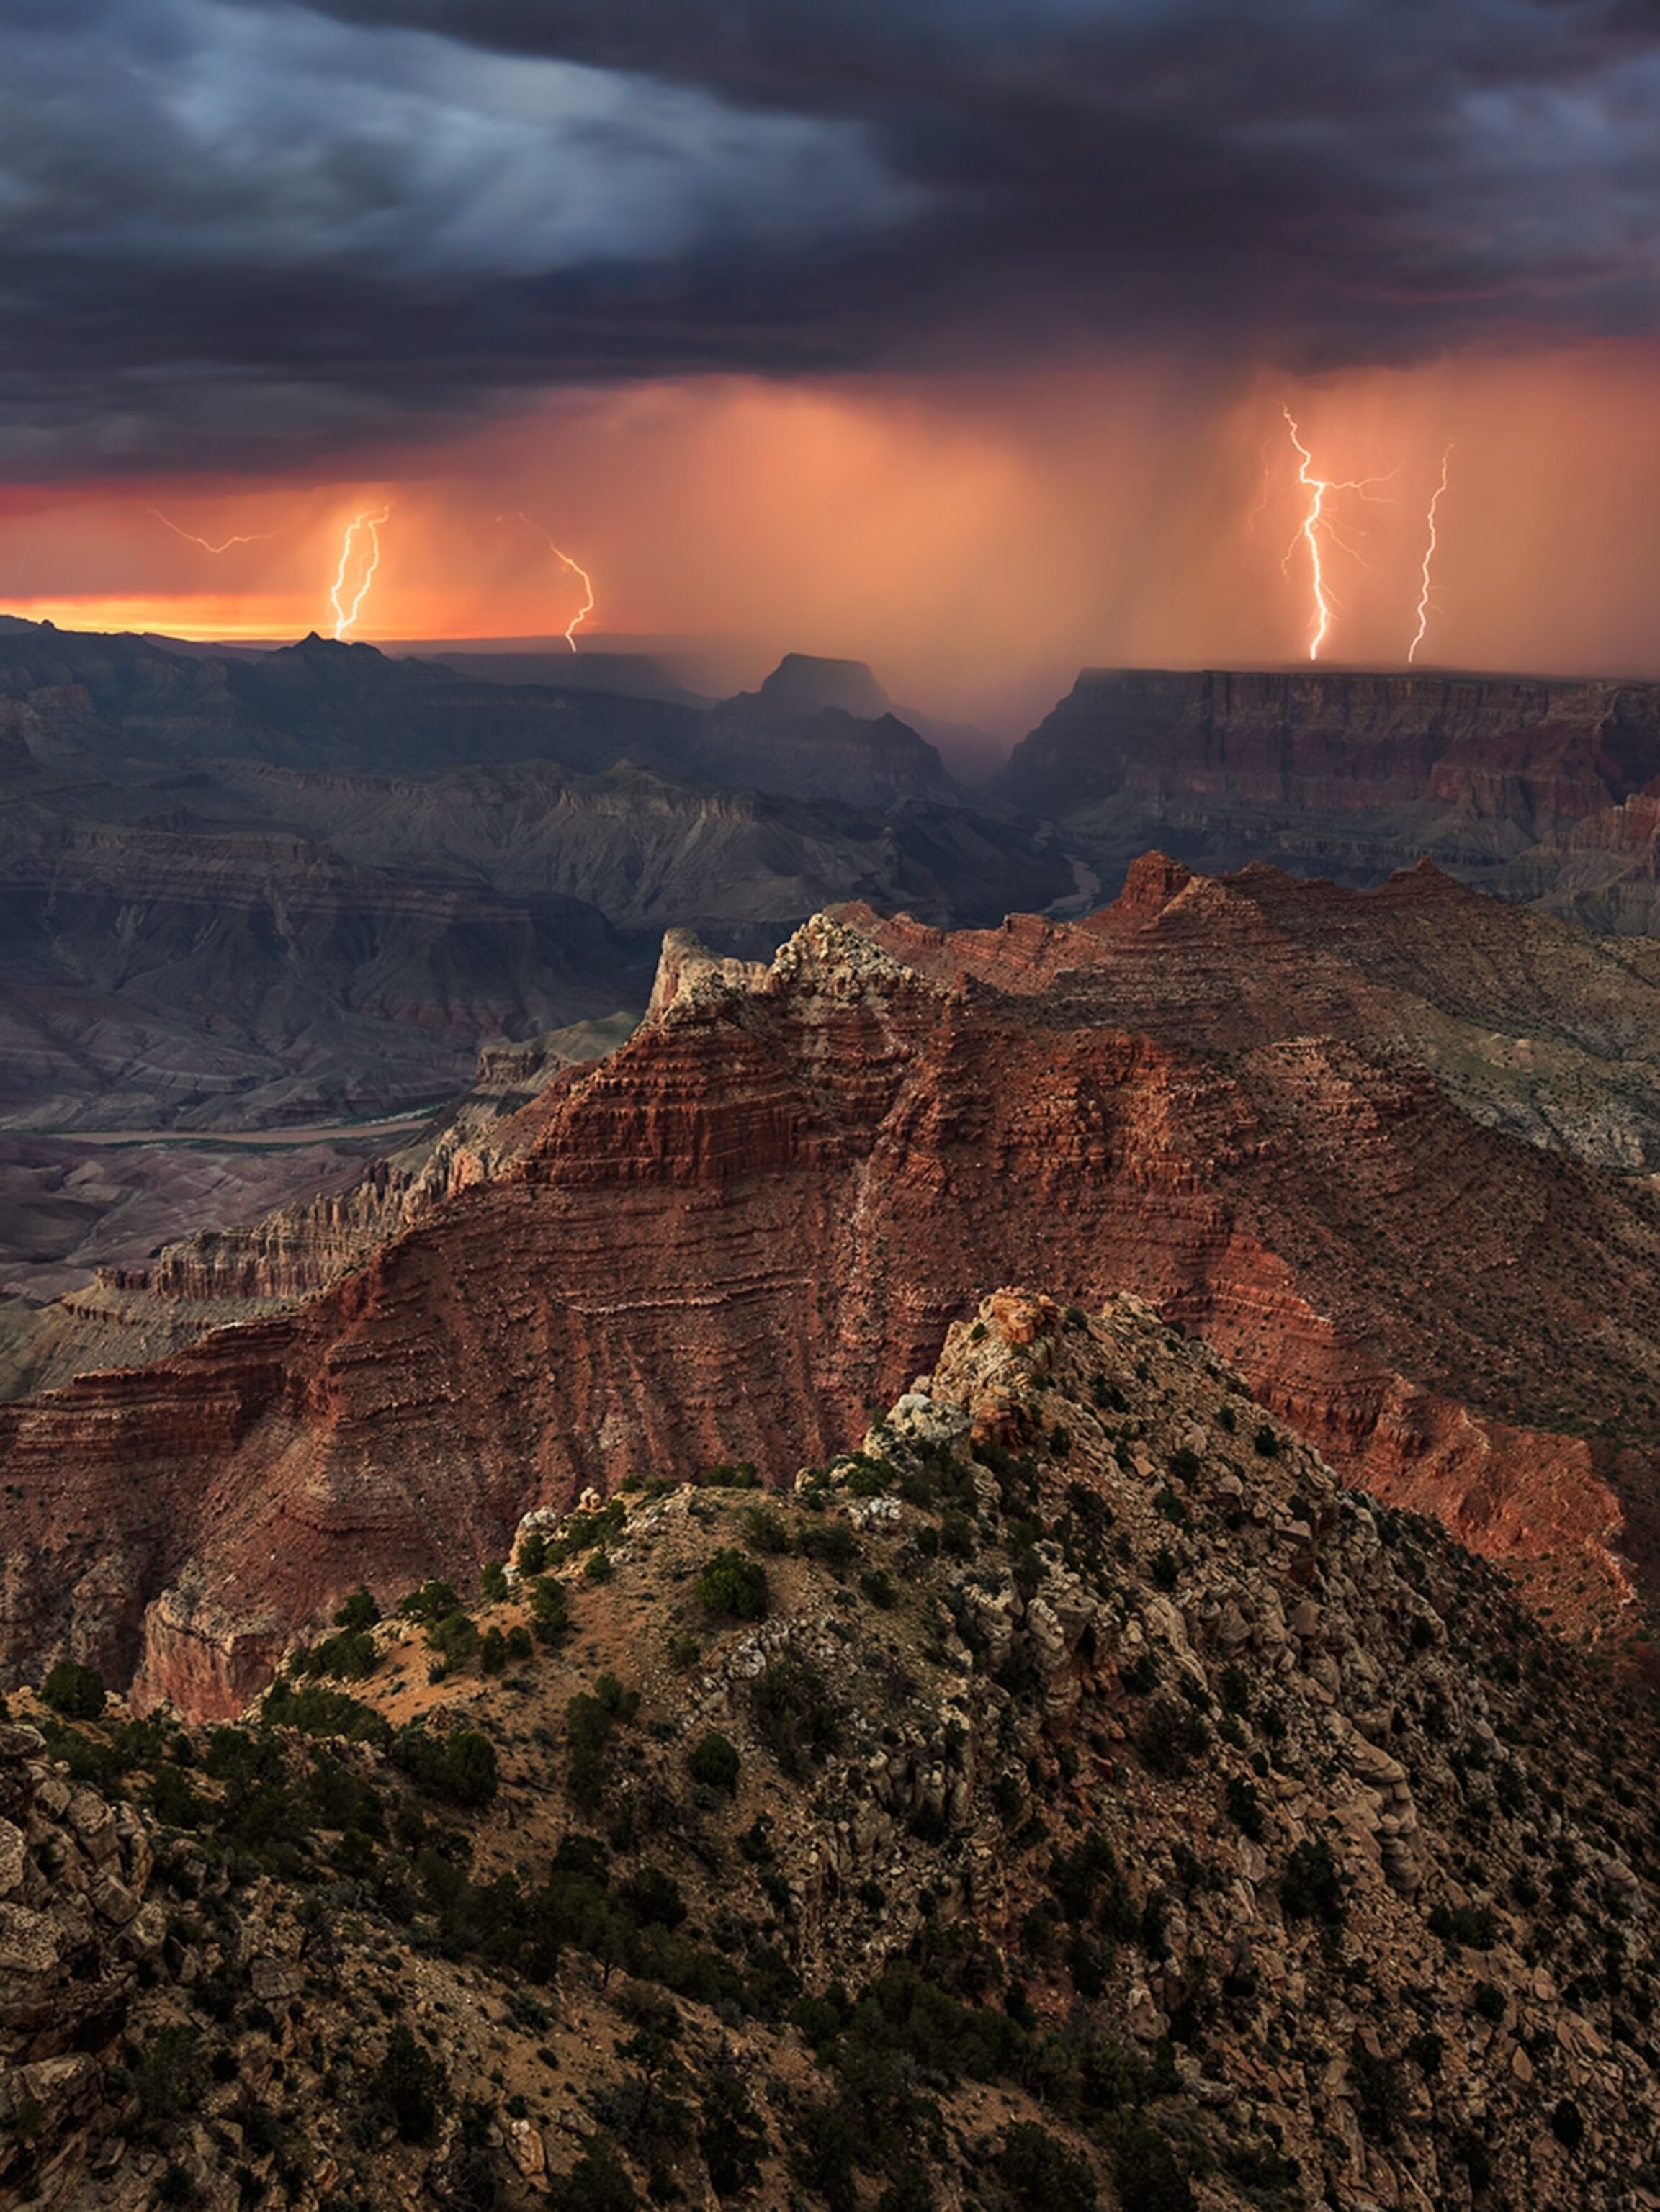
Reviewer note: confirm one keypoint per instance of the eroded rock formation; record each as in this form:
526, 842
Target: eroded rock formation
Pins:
764, 1211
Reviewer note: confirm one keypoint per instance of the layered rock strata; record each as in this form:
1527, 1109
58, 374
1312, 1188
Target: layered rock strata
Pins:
765, 1210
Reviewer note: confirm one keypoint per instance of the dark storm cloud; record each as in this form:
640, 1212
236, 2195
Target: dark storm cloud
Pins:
229, 230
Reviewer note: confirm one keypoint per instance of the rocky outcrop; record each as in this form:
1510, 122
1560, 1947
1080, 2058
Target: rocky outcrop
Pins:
1200, 1830
763, 1210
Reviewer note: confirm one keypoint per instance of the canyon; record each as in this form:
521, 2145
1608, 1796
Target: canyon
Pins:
726, 1237
261, 891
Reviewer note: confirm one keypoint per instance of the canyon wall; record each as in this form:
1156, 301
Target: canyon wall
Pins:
727, 1237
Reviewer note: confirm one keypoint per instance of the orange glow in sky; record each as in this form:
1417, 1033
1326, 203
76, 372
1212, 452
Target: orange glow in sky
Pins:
977, 540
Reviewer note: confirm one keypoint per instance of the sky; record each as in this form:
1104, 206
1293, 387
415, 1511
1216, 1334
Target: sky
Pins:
979, 338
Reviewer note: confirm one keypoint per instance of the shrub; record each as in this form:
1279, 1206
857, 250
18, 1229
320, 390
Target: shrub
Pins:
550, 1611
433, 1601
728, 1474
493, 1582
713, 1761
170, 2077
1267, 1440
493, 1652
1474, 1927
461, 1767
1146, 2169
1041, 2174
832, 1543
76, 1692
793, 1714
455, 1635
765, 1531
532, 1553
732, 1585
409, 2086
956, 1534
598, 2183
1170, 1736
348, 1657
359, 1612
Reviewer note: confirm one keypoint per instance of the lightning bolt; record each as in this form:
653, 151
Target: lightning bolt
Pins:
1429, 558
259, 537
1315, 522
575, 568
344, 616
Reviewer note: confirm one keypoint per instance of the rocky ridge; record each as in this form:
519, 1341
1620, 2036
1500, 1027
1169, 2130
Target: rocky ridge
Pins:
1075, 1796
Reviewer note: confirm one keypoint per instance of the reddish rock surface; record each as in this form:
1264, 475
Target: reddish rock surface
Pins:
760, 1215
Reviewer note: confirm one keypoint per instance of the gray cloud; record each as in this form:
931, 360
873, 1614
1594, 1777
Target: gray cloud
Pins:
231, 229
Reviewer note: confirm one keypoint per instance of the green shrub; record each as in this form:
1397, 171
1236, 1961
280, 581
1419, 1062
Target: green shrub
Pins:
493, 1652
455, 1635
1267, 1440
550, 1611
1146, 2170
598, 2183
713, 1761
349, 1656
462, 1767
1041, 2175
532, 1553
831, 1543
1170, 1736
493, 1582
409, 2086
433, 1601
766, 1531
732, 1585
1473, 1927
76, 1692
793, 1714
359, 1612
170, 2077
729, 1475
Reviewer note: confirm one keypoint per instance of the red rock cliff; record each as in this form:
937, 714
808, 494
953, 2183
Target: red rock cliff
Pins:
761, 1213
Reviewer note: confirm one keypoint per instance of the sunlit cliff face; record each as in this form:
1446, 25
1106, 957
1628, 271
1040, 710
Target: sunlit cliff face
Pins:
977, 540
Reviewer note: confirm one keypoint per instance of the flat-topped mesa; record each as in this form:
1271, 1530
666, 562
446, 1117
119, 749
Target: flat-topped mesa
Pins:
1335, 772
1239, 1100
